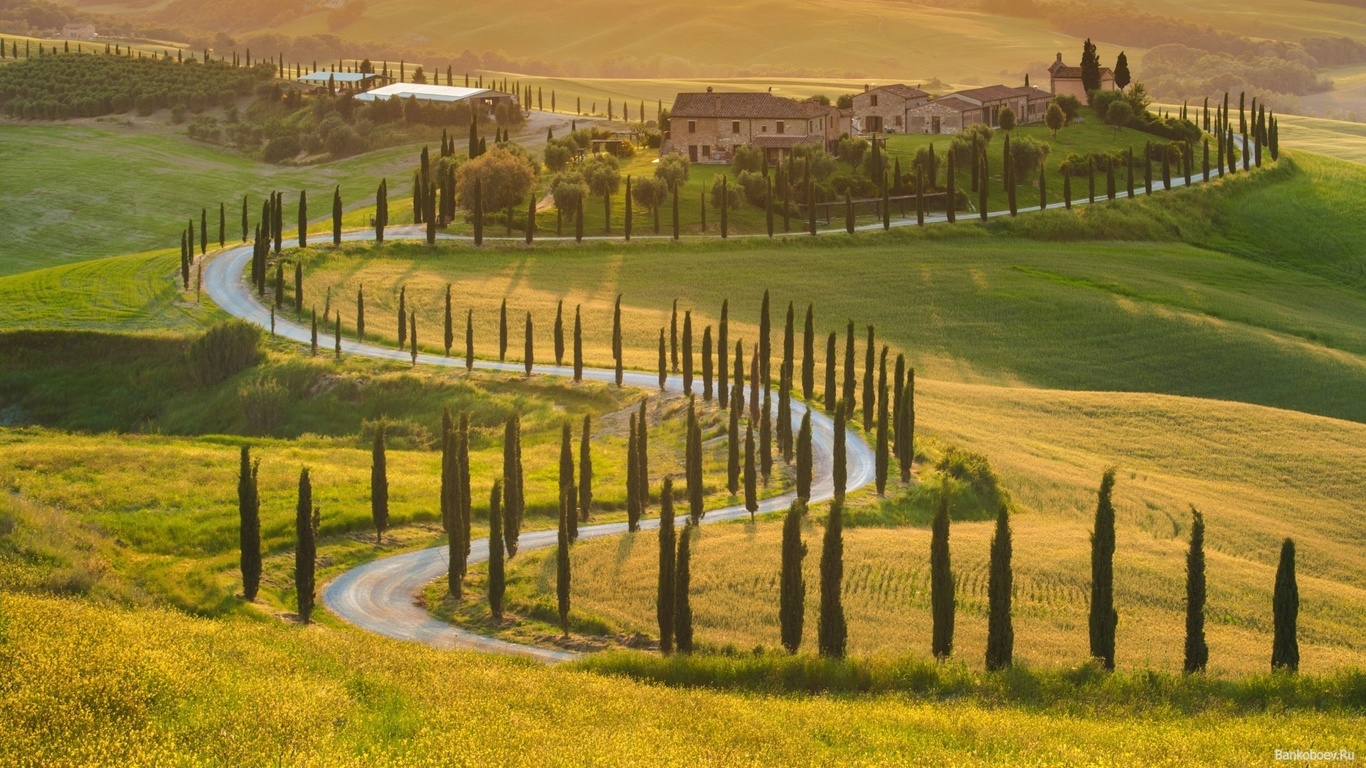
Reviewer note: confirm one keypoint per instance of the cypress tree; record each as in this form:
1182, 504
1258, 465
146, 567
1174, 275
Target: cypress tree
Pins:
663, 364
578, 345
1103, 616
898, 388
336, 216
850, 372
279, 284
733, 448
682, 584
222, 224
469, 339
402, 317
664, 596
586, 469
832, 633
792, 589
246, 224
203, 231
643, 461
1091, 179
513, 499
765, 345
412, 326
529, 355
360, 314
496, 577
567, 474
831, 394
313, 347
687, 353
905, 427
883, 459
306, 531
1000, 632
379, 487
627, 224
616, 338
562, 571
448, 336
941, 581
559, 333
1067, 190
785, 371
694, 466
706, 364
298, 286
766, 437
804, 458
751, 485
1197, 652
633, 477
1129, 170
809, 354
503, 331
848, 213
1043, 187
673, 338
722, 348
303, 218
249, 514
869, 358
1285, 648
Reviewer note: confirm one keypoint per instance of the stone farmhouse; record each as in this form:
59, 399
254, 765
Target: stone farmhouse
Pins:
1063, 79
886, 108
708, 127
955, 112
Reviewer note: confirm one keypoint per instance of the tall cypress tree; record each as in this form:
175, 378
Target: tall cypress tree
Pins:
663, 362
496, 583
336, 216
578, 345
616, 338
850, 371
809, 354
831, 394
1285, 648
313, 338
246, 223
832, 634
529, 354
785, 372
222, 224
751, 484
559, 333
249, 514
765, 346
664, 595
360, 314
469, 339
766, 436
379, 487
792, 589
1000, 632
567, 476
673, 338
303, 218
682, 586
1197, 652
203, 231
905, 427
733, 449
687, 353
883, 458
1103, 616
941, 581
513, 499
402, 317
503, 331
706, 364
869, 396
838, 467
804, 458
633, 476
585, 490
562, 571
448, 337
298, 286
305, 552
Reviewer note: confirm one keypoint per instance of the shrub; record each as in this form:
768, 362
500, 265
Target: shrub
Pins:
850, 150
1101, 101
973, 470
1027, 153
747, 159
732, 196
281, 148
754, 186
557, 156
1070, 106
399, 434
264, 405
224, 350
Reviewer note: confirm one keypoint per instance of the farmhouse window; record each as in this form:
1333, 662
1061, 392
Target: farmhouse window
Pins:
692, 126
735, 126
874, 100
780, 127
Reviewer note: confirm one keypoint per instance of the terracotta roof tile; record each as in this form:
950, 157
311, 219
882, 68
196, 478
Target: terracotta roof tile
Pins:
737, 105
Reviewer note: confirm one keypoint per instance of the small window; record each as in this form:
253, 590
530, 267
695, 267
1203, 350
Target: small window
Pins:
706, 150
763, 129
735, 126
780, 127
692, 126
874, 97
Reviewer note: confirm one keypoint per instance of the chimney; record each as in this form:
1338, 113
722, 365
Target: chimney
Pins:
866, 86
709, 87
1059, 58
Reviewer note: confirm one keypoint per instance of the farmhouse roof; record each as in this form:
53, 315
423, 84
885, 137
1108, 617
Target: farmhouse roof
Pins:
989, 93
902, 90
1061, 71
736, 105
953, 102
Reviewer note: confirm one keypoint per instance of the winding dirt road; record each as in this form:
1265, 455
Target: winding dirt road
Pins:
380, 595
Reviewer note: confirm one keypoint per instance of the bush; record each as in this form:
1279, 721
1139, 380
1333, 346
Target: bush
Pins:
754, 186
850, 150
732, 195
399, 434
224, 350
747, 159
1070, 106
264, 405
281, 148
1101, 101
974, 471
1027, 153
557, 156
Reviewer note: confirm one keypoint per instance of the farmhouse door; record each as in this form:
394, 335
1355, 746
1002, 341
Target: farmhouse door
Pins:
692, 152
934, 125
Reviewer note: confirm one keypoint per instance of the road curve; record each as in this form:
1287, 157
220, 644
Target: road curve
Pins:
379, 596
